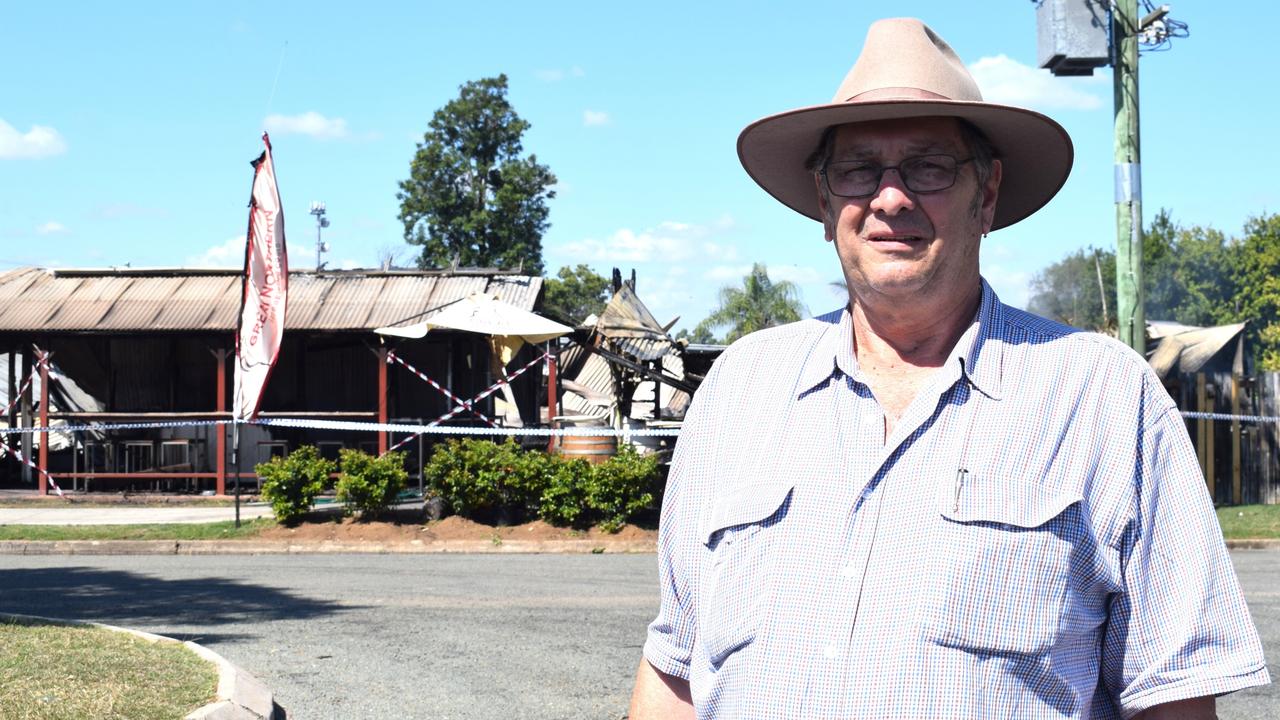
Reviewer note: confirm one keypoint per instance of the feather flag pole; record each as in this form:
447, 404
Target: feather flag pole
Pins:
265, 289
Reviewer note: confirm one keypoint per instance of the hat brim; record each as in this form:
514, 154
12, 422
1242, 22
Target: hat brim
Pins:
1035, 152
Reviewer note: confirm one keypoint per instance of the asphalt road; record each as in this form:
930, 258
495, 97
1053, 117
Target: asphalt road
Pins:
429, 636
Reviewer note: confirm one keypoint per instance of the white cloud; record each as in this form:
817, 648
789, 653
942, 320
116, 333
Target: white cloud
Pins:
229, 254
1007, 81
556, 74
594, 118
669, 242
51, 228
798, 274
40, 141
727, 272
309, 123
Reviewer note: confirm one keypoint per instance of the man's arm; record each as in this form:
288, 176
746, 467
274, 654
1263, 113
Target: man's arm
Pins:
1201, 708
659, 696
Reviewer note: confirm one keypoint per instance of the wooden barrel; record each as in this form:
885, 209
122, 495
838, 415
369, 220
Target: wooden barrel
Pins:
594, 449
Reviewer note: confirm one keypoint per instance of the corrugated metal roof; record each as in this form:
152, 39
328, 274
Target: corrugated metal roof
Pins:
1191, 351
35, 299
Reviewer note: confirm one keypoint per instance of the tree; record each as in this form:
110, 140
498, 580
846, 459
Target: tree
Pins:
701, 335
1258, 280
1193, 276
1068, 291
471, 198
760, 303
575, 293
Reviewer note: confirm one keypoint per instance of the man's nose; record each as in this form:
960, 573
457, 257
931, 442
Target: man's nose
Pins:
892, 196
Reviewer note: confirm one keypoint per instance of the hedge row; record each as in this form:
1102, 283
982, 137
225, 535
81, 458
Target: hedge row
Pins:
366, 485
502, 483
482, 480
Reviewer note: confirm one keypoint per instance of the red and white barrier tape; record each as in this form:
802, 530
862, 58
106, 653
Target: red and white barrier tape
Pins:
6, 450
462, 404
491, 389
18, 397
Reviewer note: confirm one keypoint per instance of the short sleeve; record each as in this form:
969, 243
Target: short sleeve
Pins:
1180, 627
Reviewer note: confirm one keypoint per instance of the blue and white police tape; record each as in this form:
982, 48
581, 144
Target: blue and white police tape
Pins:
319, 424
428, 429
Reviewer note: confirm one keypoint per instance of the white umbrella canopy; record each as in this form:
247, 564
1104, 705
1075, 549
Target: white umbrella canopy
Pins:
485, 314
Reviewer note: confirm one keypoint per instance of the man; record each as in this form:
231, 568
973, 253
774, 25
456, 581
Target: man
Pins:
930, 504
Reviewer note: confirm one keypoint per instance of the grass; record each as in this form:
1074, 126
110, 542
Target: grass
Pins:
56, 672
225, 530
1249, 521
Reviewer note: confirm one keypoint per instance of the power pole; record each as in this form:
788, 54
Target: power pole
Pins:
1130, 314
1073, 38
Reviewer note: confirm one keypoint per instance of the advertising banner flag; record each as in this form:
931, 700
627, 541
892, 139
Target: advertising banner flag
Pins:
265, 290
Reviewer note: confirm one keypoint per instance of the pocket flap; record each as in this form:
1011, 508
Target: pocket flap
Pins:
747, 505
1006, 500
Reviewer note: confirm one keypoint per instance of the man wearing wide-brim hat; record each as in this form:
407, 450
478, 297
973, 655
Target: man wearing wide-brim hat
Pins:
930, 504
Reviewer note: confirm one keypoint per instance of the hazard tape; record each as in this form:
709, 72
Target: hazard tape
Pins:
462, 404
493, 388
432, 429
465, 404
449, 430
353, 425
18, 396
6, 450
1224, 416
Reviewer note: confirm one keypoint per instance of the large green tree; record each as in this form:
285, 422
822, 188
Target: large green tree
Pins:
758, 304
1191, 275
575, 293
472, 197
1258, 279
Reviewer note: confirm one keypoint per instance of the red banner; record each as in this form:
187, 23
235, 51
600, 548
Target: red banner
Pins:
266, 287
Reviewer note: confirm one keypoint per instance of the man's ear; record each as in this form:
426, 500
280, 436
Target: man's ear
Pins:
991, 193
824, 209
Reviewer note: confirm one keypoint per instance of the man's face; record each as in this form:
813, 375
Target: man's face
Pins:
904, 245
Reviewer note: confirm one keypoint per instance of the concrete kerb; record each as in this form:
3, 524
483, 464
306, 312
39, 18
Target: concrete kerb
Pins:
257, 547
240, 695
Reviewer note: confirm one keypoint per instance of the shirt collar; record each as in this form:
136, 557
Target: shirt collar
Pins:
976, 355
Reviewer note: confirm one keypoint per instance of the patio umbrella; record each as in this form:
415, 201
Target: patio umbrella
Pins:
507, 326
485, 314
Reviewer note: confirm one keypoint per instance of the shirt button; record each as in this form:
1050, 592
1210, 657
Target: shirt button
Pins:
849, 570
830, 652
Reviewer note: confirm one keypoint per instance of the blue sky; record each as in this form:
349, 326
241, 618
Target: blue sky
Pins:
126, 130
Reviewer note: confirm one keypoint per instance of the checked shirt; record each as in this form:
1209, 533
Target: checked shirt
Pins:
1033, 540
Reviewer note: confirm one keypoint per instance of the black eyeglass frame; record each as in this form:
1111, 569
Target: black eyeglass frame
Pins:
898, 168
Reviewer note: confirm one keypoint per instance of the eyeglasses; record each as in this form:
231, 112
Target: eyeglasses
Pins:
921, 174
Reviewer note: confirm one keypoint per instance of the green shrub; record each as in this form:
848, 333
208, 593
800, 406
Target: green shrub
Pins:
292, 483
564, 500
622, 487
485, 480
369, 485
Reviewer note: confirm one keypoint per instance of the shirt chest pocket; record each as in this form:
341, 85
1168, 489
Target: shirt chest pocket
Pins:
733, 596
999, 571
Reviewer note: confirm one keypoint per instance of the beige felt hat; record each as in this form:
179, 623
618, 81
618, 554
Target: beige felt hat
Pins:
906, 71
